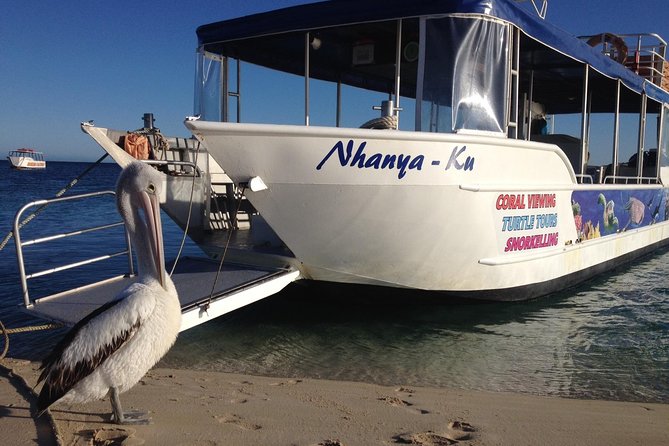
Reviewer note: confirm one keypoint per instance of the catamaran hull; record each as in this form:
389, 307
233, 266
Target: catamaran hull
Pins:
473, 216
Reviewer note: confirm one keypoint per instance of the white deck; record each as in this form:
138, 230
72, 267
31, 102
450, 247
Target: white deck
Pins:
236, 287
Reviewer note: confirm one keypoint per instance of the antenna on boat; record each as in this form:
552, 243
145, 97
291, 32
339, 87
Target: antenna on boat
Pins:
541, 12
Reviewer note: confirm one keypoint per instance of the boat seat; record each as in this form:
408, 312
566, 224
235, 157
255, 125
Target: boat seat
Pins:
570, 145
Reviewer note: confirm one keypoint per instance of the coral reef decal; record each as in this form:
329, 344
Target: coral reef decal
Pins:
605, 212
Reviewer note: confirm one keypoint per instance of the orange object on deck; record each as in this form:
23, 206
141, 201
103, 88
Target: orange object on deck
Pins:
137, 146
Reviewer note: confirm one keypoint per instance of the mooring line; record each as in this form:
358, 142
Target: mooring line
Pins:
7, 331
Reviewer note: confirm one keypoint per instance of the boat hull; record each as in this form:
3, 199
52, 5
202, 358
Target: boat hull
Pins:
24, 162
471, 216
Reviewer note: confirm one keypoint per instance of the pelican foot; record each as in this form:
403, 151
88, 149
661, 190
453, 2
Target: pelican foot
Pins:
119, 416
133, 417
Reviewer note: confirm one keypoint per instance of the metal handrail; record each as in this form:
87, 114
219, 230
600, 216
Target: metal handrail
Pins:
19, 244
74, 265
69, 234
174, 163
655, 51
629, 180
647, 53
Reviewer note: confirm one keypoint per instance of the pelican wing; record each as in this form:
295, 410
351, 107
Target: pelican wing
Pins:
89, 343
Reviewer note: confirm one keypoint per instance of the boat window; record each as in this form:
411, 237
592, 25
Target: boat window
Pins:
599, 136
600, 145
628, 136
665, 143
465, 75
551, 99
590, 116
208, 91
351, 69
651, 140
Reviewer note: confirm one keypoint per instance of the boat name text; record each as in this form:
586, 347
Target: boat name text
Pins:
402, 162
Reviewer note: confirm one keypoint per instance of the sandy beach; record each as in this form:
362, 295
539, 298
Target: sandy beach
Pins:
210, 408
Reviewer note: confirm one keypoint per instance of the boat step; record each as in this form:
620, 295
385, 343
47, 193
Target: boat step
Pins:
236, 287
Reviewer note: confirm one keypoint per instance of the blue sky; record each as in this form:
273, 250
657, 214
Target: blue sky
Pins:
111, 61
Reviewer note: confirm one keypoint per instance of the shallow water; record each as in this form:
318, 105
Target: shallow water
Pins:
605, 339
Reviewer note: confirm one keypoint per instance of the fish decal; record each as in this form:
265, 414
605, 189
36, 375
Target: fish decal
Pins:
609, 217
636, 210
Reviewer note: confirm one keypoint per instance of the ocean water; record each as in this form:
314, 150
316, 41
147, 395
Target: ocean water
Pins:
605, 339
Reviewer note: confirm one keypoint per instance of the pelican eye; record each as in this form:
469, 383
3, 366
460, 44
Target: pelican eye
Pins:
151, 188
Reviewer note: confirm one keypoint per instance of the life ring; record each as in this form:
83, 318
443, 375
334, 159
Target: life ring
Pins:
617, 42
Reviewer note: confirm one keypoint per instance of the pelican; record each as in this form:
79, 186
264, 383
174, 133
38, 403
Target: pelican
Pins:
111, 349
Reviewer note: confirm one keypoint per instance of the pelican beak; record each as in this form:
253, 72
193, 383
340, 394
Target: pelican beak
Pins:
152, 211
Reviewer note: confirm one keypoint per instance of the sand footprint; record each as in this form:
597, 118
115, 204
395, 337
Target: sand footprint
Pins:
285, 383
459, 430
237, 421
394, 401
108, 436
404, 390
397, 402
238, 401
428, 438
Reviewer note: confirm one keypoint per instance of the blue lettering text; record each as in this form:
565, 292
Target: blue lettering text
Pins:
363, 160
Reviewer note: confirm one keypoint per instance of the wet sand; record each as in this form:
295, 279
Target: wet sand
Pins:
211, 408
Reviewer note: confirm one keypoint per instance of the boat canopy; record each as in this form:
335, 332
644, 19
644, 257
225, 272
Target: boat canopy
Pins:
226, 37
31, 153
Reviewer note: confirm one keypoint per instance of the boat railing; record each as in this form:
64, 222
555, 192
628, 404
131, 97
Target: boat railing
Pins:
584, 178
620, 179
177, 152
647, 57
174, 154
645, 54
26, 153
21, 244
194, 168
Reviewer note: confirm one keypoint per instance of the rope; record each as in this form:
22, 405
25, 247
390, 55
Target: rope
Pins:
382, 123
164, 145
159, 141
161, 145
190, 210
70, 185
47, 430
7, 331
205, 306
6, 336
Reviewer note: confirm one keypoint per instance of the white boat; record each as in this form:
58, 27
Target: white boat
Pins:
505, 164
26, 159
510, 159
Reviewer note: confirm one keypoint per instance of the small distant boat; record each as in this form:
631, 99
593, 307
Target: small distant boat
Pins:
26, 159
